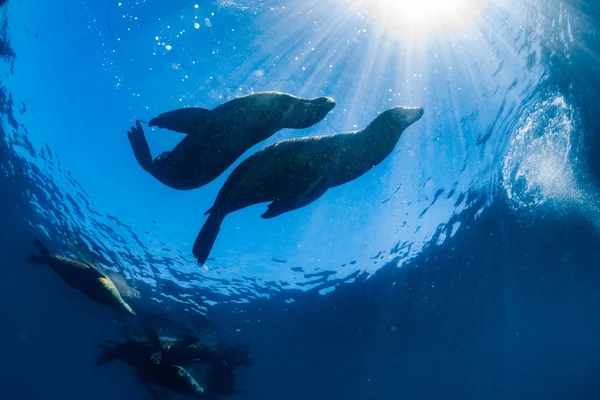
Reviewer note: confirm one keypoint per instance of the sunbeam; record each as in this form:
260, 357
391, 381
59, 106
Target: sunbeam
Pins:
419, 18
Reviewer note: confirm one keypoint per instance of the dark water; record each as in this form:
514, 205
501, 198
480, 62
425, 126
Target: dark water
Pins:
486, 289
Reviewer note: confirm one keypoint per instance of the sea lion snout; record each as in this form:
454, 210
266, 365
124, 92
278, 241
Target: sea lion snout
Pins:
414, 114
313, 111
408, 115
326, 102
396, 118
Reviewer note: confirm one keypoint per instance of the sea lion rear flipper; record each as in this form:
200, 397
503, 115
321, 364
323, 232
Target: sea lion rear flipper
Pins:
140, 147
154, 339
207, 237
37, 258
109, 354
41, 247
184, 120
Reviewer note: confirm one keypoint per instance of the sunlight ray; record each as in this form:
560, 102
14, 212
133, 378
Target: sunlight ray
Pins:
422, 18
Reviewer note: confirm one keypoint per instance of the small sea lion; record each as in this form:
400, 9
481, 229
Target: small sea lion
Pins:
293, 173
216, 138
84, 278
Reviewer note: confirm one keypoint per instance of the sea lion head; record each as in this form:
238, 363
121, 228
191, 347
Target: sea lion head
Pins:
401, 117
310, 112
390, 124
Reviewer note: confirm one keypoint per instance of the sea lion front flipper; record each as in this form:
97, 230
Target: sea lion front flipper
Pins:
278, 207
286, 204
184, 120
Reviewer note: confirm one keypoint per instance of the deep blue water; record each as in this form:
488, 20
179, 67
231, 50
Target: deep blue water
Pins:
463, 266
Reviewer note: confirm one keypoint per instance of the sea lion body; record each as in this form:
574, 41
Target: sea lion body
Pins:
83, 278
216, 138
293, 173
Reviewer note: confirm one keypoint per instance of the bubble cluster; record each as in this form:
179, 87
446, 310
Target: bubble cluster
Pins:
538, 165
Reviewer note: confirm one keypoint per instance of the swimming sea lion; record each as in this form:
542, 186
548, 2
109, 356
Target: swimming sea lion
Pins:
160, 361
84, 278
293, 173
137, 351
216, 138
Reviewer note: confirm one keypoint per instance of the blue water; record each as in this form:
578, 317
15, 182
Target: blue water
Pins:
463, 266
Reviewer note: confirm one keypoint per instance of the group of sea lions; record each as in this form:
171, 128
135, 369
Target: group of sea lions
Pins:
160, 362
288, 174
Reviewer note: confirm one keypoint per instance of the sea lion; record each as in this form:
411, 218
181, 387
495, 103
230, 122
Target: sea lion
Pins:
160, 361
216, 138
182, 351
84, 278
293, 173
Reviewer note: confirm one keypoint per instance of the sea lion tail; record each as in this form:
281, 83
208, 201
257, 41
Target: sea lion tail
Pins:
207, 236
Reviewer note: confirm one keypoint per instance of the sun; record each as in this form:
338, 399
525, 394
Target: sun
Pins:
419, 17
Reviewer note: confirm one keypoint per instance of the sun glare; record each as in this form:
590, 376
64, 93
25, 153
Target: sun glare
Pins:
419, 17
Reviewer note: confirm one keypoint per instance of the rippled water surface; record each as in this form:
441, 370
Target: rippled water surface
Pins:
486, 211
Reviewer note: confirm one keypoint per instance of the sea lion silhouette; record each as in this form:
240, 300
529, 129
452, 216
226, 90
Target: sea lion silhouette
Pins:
216, 138
293, 173
84, 278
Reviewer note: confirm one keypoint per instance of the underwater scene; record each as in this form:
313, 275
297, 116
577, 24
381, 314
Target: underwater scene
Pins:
300, 199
